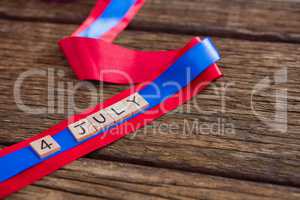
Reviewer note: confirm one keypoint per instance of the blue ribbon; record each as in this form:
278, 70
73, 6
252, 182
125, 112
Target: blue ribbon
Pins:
113, 14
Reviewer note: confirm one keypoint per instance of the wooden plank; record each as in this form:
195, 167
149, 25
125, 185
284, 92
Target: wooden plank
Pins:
112, 180
252, 151
272, 20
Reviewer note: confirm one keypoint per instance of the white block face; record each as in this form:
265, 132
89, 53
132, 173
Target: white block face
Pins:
127, 107
117, 111
82, 130
45, 146
101, 120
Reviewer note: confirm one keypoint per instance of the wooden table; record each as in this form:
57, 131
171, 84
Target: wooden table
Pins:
257, 39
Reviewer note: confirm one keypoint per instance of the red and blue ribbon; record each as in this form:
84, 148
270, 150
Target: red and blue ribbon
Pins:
92, 55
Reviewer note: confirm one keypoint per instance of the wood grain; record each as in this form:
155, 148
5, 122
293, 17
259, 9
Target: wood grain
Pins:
253, 151
273, 20
92, 179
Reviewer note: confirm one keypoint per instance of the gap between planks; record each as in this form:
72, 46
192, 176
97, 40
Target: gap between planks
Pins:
250, 20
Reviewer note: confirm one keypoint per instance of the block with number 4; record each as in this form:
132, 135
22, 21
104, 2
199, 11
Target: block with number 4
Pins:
82, 130
45, 146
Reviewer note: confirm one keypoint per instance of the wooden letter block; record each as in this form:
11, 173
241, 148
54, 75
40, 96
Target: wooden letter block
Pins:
45, 146
117, 111
136, 102
101, 120
82, 130
127, 107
